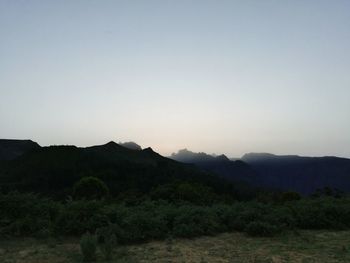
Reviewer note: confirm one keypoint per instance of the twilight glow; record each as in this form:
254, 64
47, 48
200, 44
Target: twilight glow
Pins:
215, 76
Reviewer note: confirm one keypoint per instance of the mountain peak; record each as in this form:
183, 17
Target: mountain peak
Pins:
222, 157
148, 150
131, 145
187, 156
111, 143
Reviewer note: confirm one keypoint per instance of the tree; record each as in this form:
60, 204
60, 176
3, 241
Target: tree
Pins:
90, 188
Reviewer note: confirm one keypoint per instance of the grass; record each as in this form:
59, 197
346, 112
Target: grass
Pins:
303, 247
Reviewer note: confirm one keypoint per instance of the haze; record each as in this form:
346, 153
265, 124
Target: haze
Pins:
215, 76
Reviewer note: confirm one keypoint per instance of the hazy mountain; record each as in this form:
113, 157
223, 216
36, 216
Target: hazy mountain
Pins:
255, 158
131, 145
220, 164
187, 156
288, 172
24, 165
11, 149
301, 174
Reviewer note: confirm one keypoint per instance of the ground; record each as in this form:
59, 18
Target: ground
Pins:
303, 247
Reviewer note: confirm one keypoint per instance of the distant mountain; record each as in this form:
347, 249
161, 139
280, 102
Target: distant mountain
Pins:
187, 156
26, 166
287, 173
131, 145
269, 158
231, 170
301, 174
11, 149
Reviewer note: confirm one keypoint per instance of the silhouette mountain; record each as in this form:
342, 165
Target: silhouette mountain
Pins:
11, 149
131, 145
54, 170
187, 156
233, 171
302, 174
288, 172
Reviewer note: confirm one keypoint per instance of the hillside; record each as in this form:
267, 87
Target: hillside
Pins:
288, 173
301, 174
11, 149
234, 171
54, 170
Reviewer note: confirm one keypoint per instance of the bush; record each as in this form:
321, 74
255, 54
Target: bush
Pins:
90, 188
259, 228
323, 213
88, 245
107, 241
78, 217
27, 214
31, 215
290, 196
191, 221
144, 222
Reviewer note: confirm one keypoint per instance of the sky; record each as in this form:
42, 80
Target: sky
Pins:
215, 76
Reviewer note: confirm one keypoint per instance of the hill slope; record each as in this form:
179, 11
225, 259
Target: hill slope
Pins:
301, 174
233, 171
287, 173
11, 149
54, 170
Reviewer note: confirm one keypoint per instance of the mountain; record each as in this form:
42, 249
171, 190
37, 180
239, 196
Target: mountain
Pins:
131, 145
302, 174
187, 156
11, 149
234, 171
54, 170
287, 172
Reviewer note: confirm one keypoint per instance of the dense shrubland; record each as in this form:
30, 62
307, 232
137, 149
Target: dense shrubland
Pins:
136, 196
24, 214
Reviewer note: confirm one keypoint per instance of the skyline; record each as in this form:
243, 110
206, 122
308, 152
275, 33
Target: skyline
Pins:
224, 77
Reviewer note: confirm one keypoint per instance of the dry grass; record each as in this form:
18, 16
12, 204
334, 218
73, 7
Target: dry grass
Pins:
303, 247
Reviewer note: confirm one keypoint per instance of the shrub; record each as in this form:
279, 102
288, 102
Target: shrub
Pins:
81, 216
27, 214
90, 188
259, 228
107, 241
88, 245
191, 221
144, 222
290, 196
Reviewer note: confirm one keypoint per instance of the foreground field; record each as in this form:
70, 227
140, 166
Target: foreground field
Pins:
304, 246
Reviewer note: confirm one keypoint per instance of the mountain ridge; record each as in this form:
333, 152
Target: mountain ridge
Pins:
285, 172
302, 174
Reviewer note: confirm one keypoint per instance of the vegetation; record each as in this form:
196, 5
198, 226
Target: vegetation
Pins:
114, 197
61, 171
31, 215
107, 241
88, 245
90, 188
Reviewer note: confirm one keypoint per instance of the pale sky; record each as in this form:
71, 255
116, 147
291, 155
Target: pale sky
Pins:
215, 76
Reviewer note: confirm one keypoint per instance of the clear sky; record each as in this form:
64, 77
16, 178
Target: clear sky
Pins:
216, 76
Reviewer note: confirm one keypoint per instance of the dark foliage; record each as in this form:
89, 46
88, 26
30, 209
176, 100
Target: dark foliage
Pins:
29, 215
90, 188
53, 172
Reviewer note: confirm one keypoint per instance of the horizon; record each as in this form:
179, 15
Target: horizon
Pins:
177, 151
227, 78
